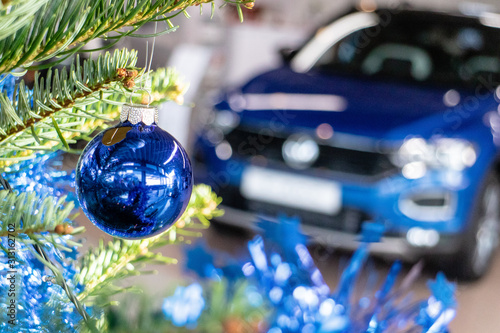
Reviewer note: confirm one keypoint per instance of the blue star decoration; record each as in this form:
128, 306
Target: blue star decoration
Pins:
185, 306
286, 232
439, 310
372, 232
443, 290
200, 261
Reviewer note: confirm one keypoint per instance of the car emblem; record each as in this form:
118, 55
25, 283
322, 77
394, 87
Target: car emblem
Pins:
300, 151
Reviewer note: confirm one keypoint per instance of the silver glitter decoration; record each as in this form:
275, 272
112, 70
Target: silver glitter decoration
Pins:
123, 116
136, 113
148, 117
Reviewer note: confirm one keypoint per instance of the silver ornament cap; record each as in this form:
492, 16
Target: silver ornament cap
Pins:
136, 113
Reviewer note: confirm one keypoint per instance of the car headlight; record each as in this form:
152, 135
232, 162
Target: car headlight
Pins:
416, 155
219, 124
226, 120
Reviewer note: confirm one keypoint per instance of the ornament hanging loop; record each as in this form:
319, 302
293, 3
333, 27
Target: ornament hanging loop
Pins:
136, 113
150, 97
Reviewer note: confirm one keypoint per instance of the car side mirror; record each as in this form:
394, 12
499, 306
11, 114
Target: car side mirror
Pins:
287, 54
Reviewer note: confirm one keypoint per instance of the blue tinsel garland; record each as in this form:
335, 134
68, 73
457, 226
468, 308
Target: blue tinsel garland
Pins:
41, 305
281, 268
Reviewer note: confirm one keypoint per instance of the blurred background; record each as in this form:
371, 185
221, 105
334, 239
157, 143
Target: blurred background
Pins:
220, 53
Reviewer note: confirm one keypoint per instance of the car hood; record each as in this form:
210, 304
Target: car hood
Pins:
353, 105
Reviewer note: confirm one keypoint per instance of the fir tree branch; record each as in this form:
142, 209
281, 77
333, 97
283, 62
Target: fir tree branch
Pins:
62, 27
70, 105
36, 217
167, 86
102, 266
64, 90
59, 279
14, 15
37, 246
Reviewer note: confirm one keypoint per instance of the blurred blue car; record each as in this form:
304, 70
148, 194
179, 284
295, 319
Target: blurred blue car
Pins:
388, 116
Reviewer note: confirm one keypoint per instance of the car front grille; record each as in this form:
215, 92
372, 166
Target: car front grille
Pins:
247, 144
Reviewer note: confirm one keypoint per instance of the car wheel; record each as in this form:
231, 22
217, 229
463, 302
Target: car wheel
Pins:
481, 241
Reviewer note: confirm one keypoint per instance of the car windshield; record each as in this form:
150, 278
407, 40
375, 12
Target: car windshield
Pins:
417, 47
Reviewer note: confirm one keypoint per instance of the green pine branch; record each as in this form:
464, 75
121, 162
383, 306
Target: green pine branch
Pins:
71, 105
15, 15
62, 90
37, 219
27, 126
39, 252
63, 27
106, 264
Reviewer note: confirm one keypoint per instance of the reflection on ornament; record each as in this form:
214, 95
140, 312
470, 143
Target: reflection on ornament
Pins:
134, 180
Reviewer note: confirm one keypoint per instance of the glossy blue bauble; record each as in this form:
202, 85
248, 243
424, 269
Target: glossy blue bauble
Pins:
134, 181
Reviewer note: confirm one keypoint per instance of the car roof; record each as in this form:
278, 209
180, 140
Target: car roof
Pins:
468, 15
406, 11
429, 15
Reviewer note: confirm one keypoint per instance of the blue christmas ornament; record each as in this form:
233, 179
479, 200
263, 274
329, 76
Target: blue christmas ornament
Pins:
134, 180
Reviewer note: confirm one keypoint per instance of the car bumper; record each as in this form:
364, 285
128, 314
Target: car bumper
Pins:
394, 246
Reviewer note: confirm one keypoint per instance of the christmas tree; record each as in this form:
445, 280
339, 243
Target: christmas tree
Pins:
47, 285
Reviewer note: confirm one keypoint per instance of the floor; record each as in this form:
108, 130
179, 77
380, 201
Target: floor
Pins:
478, 303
